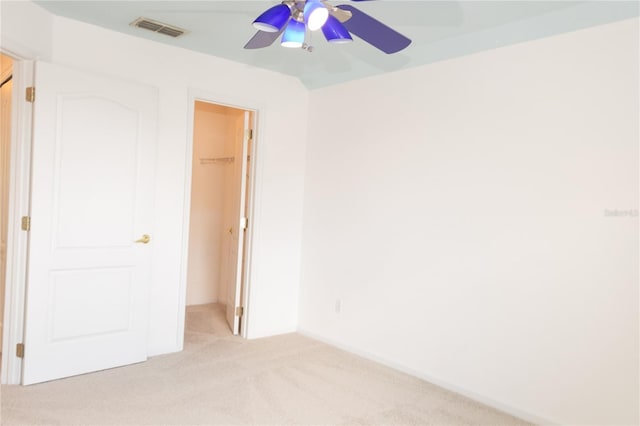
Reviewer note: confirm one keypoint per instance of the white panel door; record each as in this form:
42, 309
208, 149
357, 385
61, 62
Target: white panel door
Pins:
92, 198
236, 258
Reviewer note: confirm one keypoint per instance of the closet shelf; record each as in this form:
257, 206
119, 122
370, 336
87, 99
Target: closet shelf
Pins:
217, 160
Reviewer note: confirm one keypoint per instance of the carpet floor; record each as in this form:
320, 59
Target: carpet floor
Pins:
222, 379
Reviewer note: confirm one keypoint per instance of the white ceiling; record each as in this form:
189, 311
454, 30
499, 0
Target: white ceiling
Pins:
439, 30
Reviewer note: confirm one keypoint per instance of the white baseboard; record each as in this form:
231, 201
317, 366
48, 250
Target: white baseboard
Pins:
516, 412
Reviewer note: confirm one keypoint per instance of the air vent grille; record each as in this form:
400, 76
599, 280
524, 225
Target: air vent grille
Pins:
158, 27
173, 32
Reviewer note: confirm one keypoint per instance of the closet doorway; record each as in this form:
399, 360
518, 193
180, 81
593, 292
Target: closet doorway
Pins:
6, 92
221, 181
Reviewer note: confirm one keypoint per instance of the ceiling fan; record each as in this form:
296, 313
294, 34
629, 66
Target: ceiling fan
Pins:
292, 19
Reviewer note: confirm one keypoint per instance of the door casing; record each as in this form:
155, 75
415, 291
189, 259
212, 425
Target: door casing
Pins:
251, 198
19, 205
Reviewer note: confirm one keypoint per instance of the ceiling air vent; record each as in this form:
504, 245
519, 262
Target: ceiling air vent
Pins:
158, 27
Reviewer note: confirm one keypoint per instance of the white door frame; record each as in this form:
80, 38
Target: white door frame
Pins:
19, 205
252, 197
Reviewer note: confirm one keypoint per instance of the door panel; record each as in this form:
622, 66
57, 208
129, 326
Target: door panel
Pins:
92, 185
79, 217
239, 226
100, 291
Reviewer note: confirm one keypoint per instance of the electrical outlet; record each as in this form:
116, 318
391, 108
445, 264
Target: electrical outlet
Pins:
338, 306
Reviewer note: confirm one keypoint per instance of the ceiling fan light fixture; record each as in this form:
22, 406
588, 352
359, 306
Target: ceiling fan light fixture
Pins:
315, 14
273, 19
335, 32
293, 35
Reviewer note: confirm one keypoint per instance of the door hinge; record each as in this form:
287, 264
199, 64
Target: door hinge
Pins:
239, 311
249, 133
26, 223
30, 94
20, 350
244, 222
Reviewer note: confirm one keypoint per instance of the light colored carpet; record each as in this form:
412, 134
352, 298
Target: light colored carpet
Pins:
222, 379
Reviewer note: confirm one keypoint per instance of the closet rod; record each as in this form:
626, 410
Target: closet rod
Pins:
6, 80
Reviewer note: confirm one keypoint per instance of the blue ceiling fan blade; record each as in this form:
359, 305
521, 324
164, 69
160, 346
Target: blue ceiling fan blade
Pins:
373, 31
262, 39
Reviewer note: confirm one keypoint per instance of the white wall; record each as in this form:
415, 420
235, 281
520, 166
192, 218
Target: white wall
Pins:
211, 196
25, 29
282, 111
457, 211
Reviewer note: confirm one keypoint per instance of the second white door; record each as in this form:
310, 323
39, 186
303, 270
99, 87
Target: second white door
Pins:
91, 218
240, 221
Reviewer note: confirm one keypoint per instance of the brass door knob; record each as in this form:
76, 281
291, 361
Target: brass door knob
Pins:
144, 240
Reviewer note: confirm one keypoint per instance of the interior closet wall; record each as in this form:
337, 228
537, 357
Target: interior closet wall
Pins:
6, 65
215, 130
